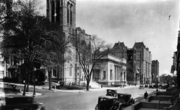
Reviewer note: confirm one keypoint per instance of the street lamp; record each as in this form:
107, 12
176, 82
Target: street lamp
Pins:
157, 81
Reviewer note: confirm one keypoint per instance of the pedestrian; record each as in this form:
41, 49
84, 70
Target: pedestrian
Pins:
156, 89
145, 95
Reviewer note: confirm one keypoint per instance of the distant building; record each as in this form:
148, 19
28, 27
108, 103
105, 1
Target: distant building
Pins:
110, 70
155, 70
143, 62
119, 50
132, 73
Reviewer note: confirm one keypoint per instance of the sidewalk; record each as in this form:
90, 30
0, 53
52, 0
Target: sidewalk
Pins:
95, 89
45, 87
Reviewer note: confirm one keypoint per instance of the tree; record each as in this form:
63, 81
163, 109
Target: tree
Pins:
33, 38
3, 9
88, 55
168, 79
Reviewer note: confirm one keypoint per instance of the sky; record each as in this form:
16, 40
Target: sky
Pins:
154, 22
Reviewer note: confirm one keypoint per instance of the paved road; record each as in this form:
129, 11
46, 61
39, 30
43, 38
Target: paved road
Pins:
82, 100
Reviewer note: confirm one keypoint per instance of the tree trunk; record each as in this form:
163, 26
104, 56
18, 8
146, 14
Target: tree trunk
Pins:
87, 86
49, 72
24, 91
34, 92
28, 78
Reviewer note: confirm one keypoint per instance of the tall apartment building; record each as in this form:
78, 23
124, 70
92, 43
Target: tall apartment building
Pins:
155, 70
143, 62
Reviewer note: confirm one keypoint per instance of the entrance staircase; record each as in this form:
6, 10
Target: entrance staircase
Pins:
94, 84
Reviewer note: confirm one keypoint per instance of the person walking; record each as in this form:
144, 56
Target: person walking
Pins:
145, 95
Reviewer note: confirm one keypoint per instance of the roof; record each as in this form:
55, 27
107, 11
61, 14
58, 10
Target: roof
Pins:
139, 44
107, 97
124, 94
119, 45
113, 58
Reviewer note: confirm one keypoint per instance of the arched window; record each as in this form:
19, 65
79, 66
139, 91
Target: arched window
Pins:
68, 12
52, 11
71, 12
58, 11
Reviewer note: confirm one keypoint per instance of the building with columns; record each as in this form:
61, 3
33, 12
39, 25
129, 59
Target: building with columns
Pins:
110, 70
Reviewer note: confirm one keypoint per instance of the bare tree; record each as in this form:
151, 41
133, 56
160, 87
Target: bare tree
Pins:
29, 36
88, 55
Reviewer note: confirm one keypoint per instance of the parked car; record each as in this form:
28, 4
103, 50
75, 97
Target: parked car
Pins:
107, 103
111, 92
141, 86
20, 103
146, 85
164, 86
125, 99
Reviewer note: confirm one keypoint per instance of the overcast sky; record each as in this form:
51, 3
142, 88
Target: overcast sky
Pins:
131, 21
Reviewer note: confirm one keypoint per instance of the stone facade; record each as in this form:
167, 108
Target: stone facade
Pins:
110, 70
174, 65
143, 62
63, 12
155, 70
132, 73
119, 50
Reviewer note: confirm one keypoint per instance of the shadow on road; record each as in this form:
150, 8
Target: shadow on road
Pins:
11, 99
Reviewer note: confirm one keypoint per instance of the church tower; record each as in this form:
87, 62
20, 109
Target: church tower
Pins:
63, 12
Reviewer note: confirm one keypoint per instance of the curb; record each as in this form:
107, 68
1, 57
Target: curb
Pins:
92, 90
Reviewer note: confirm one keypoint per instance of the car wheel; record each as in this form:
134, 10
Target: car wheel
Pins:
115, 107
43, 108
122, 108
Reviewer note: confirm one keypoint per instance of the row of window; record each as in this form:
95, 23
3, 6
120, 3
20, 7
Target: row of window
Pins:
56, 11
96, 75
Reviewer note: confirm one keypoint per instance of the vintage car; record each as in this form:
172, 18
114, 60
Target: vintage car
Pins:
141, 86
125, 99
111, 92
107, 103
20, 103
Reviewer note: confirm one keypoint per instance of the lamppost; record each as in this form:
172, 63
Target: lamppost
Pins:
157, 81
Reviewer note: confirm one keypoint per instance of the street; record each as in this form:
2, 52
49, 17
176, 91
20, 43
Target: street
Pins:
82, 100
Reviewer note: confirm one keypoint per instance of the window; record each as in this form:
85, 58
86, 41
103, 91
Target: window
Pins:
67, 12
71, 9
104, 74
70, 70
58, 12
110, 74
52, 11
54, 72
